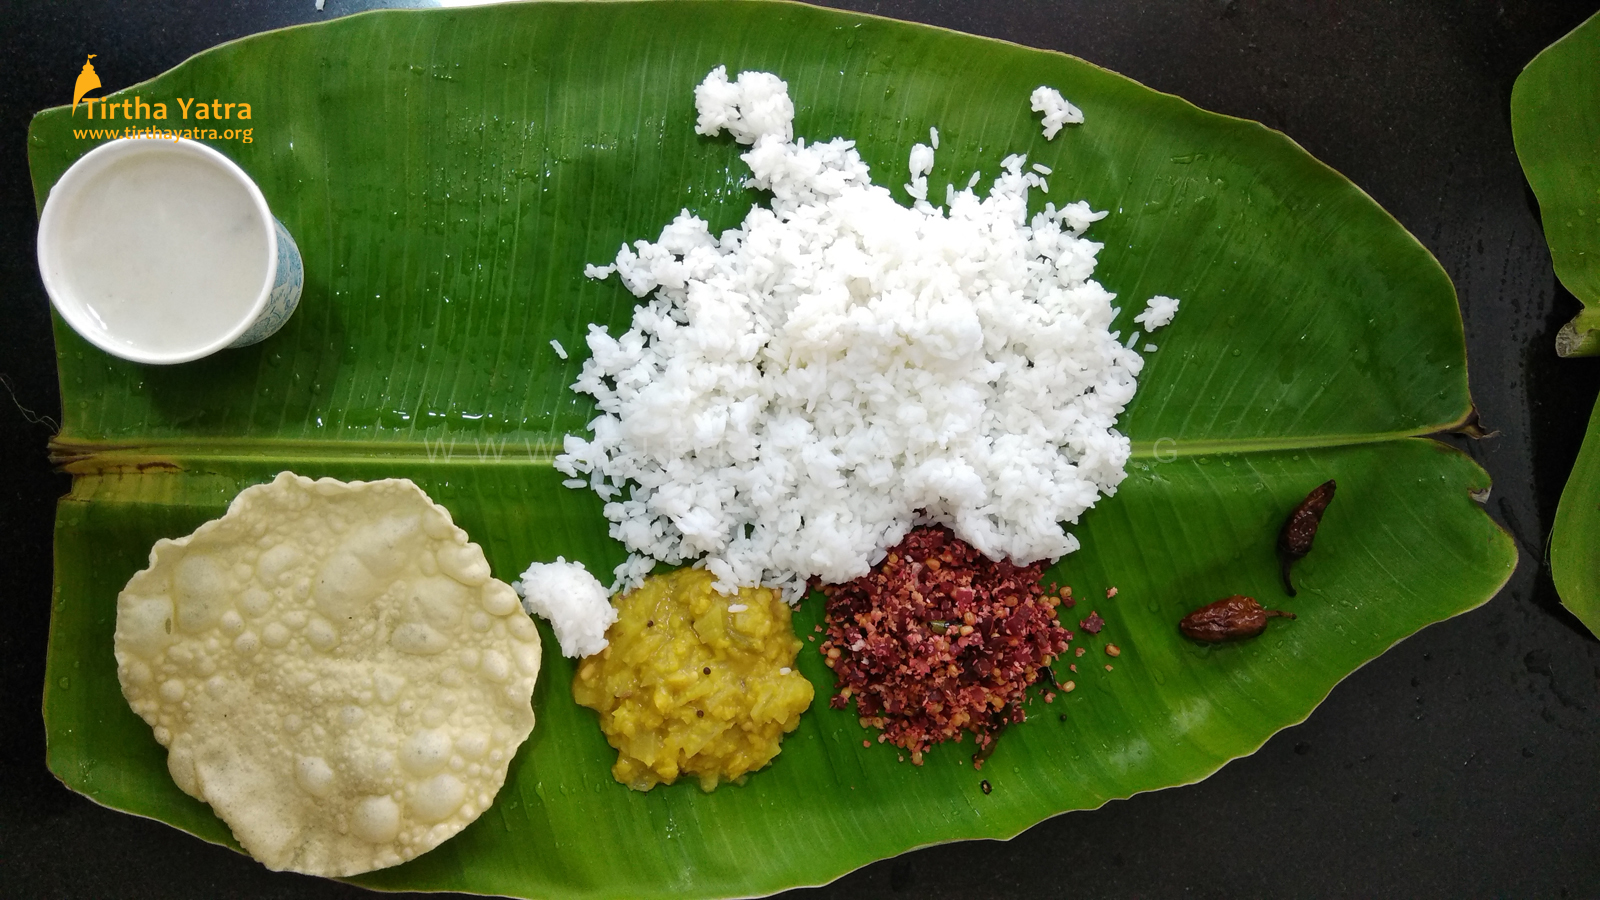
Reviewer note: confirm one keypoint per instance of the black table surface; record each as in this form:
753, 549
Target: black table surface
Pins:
1465, 762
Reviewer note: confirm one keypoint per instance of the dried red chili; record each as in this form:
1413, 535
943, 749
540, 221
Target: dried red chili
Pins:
1300, 529
938, 640
1228, 619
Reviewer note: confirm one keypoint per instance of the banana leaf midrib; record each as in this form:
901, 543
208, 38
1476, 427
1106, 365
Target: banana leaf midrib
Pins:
84, 457
81, 457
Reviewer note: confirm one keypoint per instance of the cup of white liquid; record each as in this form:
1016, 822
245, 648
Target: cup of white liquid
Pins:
164, 251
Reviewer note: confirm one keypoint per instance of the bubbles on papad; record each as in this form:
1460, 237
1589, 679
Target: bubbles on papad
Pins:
331, 667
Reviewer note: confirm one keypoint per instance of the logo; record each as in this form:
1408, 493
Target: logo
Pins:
87, 81
195, 120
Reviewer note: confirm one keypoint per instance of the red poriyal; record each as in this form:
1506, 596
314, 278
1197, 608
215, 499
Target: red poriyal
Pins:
938, 640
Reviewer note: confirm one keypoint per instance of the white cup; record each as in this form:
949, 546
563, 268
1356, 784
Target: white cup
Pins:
161, 250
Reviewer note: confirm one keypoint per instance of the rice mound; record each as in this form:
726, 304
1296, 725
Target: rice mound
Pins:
794, 396
572, 601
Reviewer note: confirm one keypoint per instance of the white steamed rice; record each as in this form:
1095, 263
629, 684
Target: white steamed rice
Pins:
1157, 312
1057, 111
574, 602
795, 395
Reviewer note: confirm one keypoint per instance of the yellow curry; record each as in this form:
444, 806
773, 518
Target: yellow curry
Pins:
694, 681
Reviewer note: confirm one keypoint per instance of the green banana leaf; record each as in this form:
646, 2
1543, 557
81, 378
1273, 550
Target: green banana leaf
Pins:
447, 175
1555, 122
1575, 537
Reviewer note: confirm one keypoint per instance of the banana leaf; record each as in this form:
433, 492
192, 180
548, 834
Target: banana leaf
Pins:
448, 173
1575, 537
1555, 122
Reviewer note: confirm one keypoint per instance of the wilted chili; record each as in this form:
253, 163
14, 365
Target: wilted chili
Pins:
1294, 541
1228, 619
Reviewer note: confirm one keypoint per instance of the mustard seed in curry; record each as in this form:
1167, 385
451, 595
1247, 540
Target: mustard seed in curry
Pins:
694, 682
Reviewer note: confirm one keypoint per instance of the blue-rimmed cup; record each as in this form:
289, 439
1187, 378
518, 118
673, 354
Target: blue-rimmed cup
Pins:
162, 250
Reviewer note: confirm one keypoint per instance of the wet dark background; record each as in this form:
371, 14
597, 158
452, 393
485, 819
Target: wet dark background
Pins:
1463, 763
